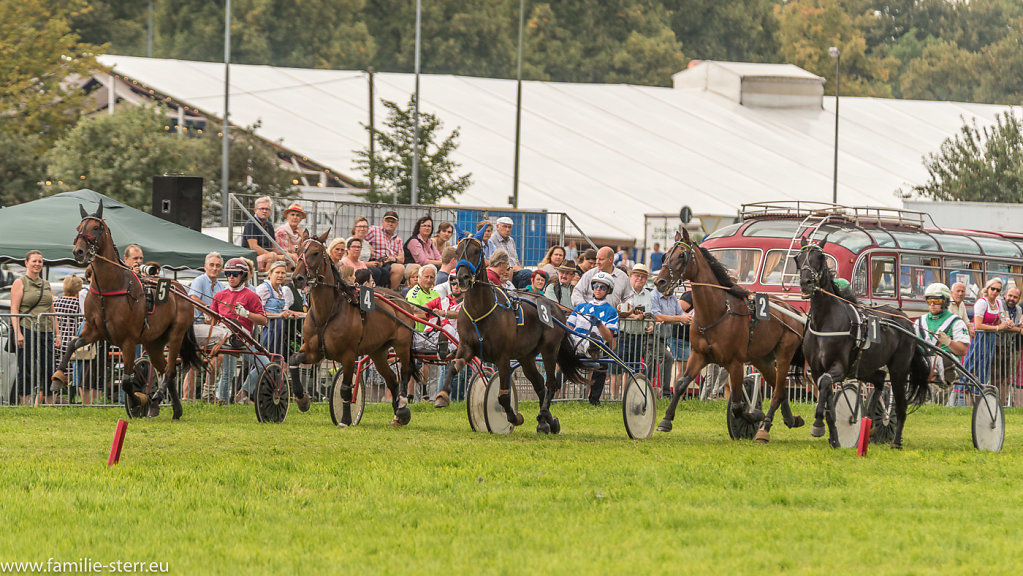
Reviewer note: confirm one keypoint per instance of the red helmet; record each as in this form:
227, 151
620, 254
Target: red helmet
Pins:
237, 265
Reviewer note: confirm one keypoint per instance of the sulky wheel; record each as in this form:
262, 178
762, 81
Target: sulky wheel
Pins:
846, 405
881, 411
639, 407
272, 394
495, 416
988, 422
740, 428
475, 402
144, 382
337, 404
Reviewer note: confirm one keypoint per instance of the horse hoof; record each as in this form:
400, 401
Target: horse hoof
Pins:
442, 400
762, 437
403, 415
757, 415
555, 426
664, 426
543, 428
140, 399
176, 413
833, 442
58, 381
343, 425
154, 409
817, 431
303, 403
797, 422
518, 420
396, 423
896, 446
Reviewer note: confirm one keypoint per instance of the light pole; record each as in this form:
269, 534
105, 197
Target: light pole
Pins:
518, 109
835, 53
224, 156
414, 199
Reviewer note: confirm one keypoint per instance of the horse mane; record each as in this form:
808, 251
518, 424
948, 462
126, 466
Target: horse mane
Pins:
829, 281
721, 274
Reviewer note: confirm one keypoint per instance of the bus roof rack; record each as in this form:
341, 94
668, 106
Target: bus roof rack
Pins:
878, 216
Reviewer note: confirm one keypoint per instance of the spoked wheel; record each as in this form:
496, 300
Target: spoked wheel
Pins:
337, 404
146, 375
495, 416
846, 405
475, 402
988, 422
273, 395
639, 407
881, 411
741, 428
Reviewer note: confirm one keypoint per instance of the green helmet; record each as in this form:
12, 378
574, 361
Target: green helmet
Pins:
938, 289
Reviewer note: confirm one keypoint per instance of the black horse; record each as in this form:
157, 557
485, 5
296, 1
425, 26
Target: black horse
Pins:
497, 327
836, 345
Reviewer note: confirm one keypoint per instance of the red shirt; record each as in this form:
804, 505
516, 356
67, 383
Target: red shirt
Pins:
224, 301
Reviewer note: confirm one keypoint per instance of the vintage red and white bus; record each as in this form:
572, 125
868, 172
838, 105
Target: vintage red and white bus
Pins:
888, 255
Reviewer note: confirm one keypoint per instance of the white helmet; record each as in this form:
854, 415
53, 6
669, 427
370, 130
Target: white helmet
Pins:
939, 290
605, 279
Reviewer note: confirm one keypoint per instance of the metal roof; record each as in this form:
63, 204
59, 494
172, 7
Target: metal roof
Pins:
604, 153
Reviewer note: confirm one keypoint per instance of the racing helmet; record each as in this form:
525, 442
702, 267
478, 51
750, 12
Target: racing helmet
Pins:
938, 290
237, 265
605, 279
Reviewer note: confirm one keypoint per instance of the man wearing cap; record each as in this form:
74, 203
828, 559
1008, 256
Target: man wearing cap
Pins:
289, 235
388, 253
637, 320
605, 263
560, 290
502, 240
258, 233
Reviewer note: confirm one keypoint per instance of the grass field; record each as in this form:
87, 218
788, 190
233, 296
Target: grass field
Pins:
219, 493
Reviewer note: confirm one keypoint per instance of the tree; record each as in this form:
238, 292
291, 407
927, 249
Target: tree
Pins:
391, 165
978, 164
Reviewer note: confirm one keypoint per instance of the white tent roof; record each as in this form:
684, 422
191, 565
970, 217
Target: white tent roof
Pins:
604, 153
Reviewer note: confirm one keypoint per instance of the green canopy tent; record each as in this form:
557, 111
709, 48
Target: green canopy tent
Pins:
49, 224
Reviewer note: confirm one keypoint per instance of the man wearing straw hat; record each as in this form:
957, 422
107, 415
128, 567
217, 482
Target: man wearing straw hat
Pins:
289, 235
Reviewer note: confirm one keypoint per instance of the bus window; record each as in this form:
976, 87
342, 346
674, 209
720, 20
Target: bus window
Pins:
916, 240
744, 262
1011, 274
957, 244
997, 247
773, 267
859, 283
916, 272
882, 276
882, 238
772, 229
852, 239
966, 271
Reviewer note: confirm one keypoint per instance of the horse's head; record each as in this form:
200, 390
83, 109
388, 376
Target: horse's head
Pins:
813, 267
91, 231
313, 261
676, 263
469, 255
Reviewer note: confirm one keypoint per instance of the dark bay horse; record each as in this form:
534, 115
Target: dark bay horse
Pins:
725, 332
337, 329
115, 311
836, 346
497, 328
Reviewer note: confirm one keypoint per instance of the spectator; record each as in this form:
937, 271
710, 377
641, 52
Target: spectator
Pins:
243, 306
599, 319
503, 240
537, 282
637, 325
622, 259
989, 319
387, 252
336, 251
958, 307
277, 302
363, 277
419, 294
442, 239
675, 315
419, 248
572, 251
1007, 351
487, 233
447, 306
258, 233
347, 273
202, 290
411, 278
561, 291
656, 258
30, 297
622, 288
588, 260
555, 257
69, 311
133, 257
447, 264
497, 269
359, 230
352, 254
288, 235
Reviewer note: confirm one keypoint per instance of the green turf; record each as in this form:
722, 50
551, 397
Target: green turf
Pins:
219, 493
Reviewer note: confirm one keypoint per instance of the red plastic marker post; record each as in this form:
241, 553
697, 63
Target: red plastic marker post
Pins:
861, 448
115, 448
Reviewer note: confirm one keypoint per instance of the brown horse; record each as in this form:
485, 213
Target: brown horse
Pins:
496, 328
336, 328
115, 311
725, 332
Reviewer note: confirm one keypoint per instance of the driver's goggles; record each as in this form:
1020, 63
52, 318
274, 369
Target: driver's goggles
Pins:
598, 286
934, 300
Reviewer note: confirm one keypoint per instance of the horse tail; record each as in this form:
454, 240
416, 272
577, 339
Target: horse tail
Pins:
797, 366
571, 365
919, 372
189, 352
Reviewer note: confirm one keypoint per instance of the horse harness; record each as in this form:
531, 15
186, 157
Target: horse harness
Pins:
92, 242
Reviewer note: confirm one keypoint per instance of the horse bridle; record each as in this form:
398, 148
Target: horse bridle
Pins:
474, 267
315, 280
91, 242
674, 280
815, 275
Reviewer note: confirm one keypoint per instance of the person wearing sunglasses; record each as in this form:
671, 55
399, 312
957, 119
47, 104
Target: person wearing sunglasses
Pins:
244, 307
941, 327
989, 320
597, 318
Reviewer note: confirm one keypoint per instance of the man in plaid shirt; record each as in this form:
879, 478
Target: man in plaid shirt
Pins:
388, 254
